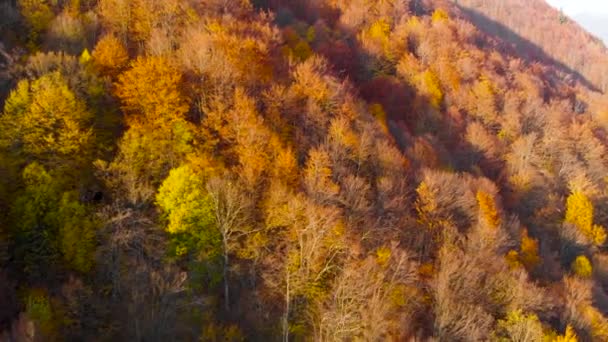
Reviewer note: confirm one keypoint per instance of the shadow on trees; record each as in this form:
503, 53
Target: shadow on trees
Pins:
520, 46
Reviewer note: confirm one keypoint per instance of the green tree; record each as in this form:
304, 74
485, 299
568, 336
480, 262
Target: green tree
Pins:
189, 211
38, 14
50, 226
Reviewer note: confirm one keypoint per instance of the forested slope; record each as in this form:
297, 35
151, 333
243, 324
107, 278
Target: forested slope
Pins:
293, 170
542, 32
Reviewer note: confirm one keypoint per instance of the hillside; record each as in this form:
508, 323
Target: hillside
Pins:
305, 170
543, 33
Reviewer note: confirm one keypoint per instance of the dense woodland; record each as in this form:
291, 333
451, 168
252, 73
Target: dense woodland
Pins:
296, 170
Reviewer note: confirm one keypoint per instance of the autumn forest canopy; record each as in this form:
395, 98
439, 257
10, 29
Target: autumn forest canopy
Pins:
301, 170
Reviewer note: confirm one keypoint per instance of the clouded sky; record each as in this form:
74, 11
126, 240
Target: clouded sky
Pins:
591, 14
574, 7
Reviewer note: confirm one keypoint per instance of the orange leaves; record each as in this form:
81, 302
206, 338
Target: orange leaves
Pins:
310, 80
528, 253
110, 56
151, 91
529, 250
318, 175
229, 53
484, 105
488, 210
378, 112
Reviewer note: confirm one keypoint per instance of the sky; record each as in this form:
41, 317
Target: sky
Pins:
591, 14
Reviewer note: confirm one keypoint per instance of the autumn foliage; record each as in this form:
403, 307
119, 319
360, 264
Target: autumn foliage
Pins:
296, 170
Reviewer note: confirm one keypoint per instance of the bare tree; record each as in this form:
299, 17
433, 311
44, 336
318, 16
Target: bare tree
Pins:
231, 208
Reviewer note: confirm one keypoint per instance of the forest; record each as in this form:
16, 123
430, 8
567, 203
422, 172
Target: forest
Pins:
301, 170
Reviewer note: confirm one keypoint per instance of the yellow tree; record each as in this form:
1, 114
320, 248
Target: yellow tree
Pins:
579, 212
44, 119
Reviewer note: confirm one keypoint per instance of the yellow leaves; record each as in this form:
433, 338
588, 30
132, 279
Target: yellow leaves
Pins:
518, 324
599, 325
582, 267
85, 57
182, 198
46, 118
426, 199
408, 68
383, 255
513, 259
597, 234
432, 87
380, 30
298, 47
377, 38
440, 15
214, 27
528, 255
487, 209
569, 336
400, 295
579, 212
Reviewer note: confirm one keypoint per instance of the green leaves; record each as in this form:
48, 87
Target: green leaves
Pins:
50, 224
188, 209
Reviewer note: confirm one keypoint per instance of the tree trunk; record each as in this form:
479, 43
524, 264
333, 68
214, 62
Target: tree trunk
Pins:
226, 293
286, 313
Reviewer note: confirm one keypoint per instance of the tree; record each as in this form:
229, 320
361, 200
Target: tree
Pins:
189, 211
110, 55
45, 120
51, 224
519, 327
579, 212
318, 176
146, 154
488, 210
38, 15
358, 306
231, 209
151, 91
77, 233
582, 267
